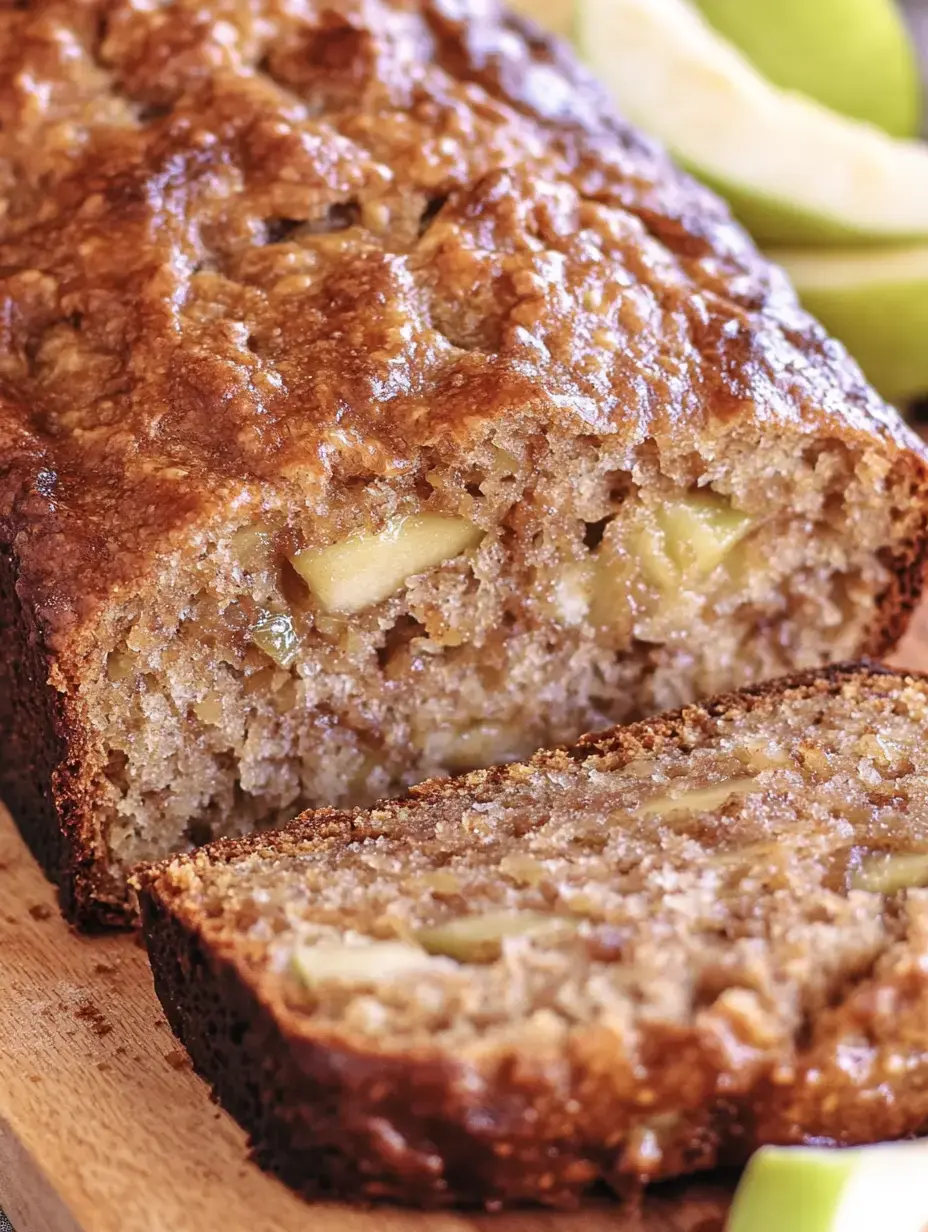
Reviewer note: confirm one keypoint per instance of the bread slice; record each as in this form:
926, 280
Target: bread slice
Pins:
633, 959
375, 404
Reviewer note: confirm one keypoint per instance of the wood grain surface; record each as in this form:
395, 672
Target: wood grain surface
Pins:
105, 1128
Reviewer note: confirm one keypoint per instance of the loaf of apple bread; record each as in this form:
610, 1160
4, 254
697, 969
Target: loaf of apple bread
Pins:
633, 959
375, 404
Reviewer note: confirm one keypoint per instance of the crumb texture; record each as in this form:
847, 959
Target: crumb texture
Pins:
374, 404
635, 959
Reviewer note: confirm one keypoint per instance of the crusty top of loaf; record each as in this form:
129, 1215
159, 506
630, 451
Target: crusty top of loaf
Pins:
253, 249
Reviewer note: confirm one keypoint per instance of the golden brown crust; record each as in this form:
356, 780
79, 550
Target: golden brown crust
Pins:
200, 206
171, 343
330, 1111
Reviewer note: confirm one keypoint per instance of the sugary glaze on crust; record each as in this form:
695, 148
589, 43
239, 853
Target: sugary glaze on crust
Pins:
284, 246
754, 992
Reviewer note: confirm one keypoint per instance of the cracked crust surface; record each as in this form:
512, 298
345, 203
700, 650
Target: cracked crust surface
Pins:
203, 201
720, 976
281, 256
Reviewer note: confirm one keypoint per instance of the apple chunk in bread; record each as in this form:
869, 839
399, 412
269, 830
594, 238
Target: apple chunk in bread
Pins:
700, 799
378, 961
682, 540
366, 569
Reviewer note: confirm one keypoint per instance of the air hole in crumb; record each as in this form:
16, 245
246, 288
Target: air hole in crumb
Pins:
116, 769
75, 320
200, 831
100, 29
294, 588
148, 113
594, 531
338, 217
276, 230
430, 213
620, 486
397, 638
473, 489
834, 507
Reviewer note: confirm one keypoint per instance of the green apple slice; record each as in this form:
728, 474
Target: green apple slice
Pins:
854, 56
876, 302
794, 171
816, 1189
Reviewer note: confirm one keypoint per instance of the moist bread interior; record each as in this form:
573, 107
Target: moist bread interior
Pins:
664, 869
515, 643
639, 957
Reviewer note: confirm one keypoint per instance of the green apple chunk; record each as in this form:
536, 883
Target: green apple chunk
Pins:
793, 170
366, 569
854, 56
816, 1189
876, 302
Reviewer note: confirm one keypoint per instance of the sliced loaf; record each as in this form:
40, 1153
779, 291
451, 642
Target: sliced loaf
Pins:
633, 959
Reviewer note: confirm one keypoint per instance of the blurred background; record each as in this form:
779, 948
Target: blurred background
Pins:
810, 117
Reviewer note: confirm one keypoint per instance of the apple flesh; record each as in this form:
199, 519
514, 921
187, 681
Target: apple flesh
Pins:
876, 303
366, 569
854, 56
793, 170
817, 1189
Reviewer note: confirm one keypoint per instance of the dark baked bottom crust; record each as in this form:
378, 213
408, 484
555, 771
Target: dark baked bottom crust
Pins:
306, 1106
899, 601
34, 768
331, 1119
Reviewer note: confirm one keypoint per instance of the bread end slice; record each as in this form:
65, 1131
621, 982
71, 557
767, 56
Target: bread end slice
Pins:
632, 959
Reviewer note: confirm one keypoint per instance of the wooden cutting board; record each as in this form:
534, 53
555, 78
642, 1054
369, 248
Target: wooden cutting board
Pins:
105, 1128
